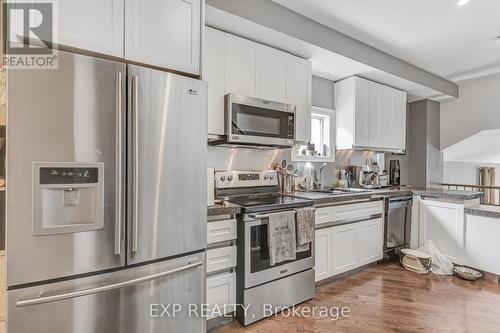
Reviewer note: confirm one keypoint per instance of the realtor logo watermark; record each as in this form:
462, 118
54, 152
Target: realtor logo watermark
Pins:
207, 311
29, 35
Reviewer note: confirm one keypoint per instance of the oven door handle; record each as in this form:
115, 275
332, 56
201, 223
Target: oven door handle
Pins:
266, 216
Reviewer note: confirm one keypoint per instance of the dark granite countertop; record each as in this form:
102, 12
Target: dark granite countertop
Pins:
483, 210
439, 193
325, 198
223, 209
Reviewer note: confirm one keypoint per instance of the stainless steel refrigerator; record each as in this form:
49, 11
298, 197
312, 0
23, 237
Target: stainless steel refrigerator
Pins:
106, 212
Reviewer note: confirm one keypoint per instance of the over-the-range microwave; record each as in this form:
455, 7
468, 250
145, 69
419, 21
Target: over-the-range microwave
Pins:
258, 122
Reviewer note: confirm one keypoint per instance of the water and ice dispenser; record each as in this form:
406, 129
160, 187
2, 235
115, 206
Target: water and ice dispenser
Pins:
67, 197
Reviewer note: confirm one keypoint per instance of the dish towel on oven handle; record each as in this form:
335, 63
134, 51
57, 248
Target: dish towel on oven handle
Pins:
305, 228
281, 237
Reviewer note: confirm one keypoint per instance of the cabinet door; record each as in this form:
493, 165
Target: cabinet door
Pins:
299, 93
241, 70
323, 254
374, 115
370, 240
361, 112
386, 122
221, 292
482, 249
213, 73
400, 101
164, 33
443, 223
94, 25
273, 73
344, 248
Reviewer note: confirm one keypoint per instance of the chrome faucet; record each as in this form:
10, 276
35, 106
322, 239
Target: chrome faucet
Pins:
320, 182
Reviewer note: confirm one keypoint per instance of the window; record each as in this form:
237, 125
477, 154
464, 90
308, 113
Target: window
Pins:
322, 145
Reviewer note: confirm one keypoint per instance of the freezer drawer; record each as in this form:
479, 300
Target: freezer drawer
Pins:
127, 301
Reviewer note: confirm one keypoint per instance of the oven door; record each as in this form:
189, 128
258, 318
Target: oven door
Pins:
255, 121
257, 267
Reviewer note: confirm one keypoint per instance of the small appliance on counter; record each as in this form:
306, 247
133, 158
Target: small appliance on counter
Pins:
259, 280
367, 176
395, 173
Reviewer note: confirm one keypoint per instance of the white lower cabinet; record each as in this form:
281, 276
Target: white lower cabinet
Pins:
443, 223
221, 261
481, 246
343, 248
221, 258
221, 294
370, 235
323, 254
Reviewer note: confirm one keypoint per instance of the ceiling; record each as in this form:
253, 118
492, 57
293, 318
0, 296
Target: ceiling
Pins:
437, 35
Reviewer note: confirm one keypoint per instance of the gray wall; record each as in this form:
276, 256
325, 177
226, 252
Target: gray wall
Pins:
425, 163
322, 92
477, 109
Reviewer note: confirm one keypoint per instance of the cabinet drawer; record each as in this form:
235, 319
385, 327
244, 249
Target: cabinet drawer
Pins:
324, 215
221, 292
357, 210
221, 258
221, 231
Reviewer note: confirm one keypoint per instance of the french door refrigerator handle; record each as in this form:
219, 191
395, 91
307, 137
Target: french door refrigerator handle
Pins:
135, 177
91, 291
119, 162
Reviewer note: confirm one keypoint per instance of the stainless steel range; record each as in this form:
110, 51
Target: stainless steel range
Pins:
260, 286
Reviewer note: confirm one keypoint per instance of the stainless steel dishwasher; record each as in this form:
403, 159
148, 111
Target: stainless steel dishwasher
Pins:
397, 225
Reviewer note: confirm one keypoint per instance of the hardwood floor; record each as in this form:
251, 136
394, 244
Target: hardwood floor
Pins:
386, 298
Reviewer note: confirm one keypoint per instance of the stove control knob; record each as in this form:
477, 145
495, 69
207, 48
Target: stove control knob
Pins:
230, 178
265, 177
271, 177
223, 178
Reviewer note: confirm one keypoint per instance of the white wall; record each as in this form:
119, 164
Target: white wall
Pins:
477, 109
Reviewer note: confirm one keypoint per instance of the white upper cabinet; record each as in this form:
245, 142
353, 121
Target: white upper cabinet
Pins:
213, 73
370, 115
240, 66
299, 93
94, 25
400, 104
242, 72
164, 33
361, 122
273, 73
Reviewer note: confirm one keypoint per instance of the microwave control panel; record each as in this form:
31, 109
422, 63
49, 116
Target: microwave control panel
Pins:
291, 127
